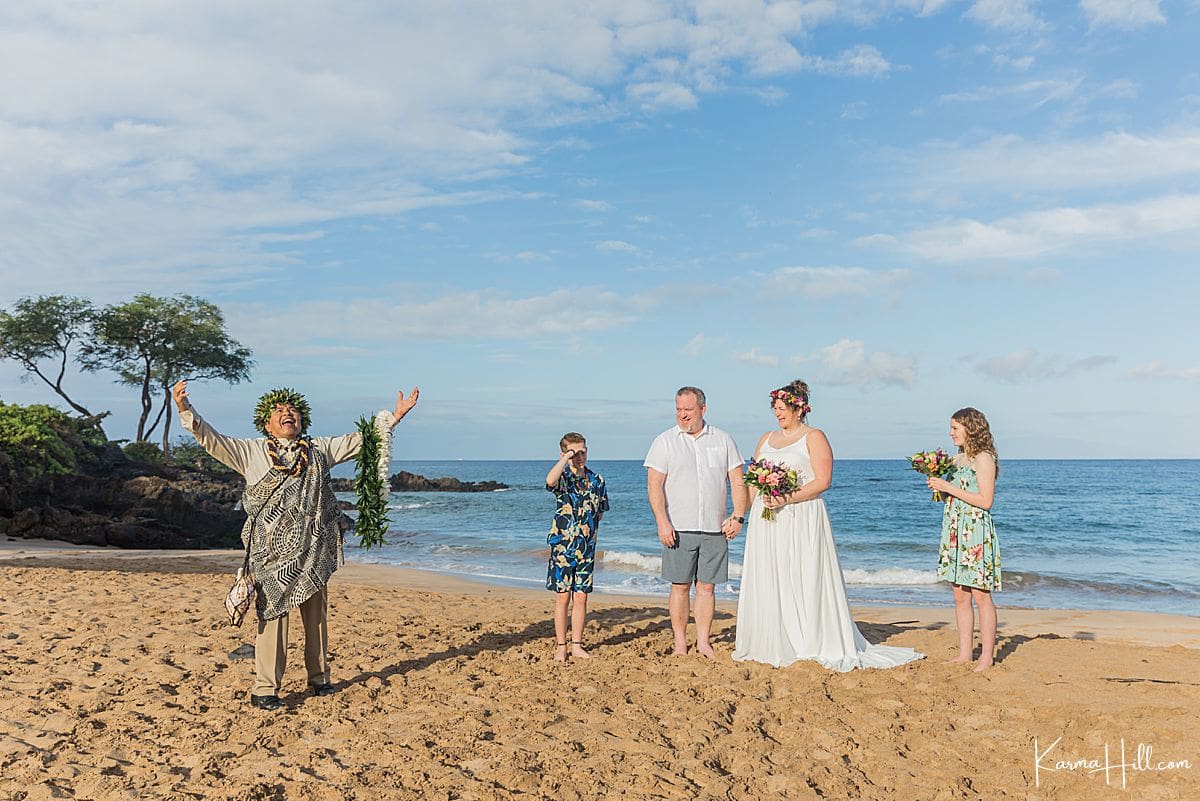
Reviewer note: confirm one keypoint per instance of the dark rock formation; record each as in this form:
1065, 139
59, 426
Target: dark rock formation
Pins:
114, 501
405, 481
127, 505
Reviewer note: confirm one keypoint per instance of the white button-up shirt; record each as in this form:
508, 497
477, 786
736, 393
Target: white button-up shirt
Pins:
697, 470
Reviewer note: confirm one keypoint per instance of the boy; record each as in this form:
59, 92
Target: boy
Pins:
582, 501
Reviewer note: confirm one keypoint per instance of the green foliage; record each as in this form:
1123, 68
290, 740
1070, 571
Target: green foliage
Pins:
144, 452
371, 525
186, 452
40, 439
152, 342
45, 329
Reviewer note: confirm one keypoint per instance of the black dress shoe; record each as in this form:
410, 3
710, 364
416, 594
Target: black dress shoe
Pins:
322, 689
267, 702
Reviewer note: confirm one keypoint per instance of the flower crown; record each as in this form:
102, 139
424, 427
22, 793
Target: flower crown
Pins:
795, 401
285, 395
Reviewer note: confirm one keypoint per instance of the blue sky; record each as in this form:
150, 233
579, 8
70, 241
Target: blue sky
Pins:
550, 216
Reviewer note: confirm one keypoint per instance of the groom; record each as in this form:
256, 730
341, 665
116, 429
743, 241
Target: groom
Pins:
688, 469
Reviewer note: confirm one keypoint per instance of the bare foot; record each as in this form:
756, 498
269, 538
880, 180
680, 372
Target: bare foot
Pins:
680, 650
560, 653
577, 650
982, 666
706, 651
958, 660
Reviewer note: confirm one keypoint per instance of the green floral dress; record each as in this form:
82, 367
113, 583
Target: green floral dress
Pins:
970, 552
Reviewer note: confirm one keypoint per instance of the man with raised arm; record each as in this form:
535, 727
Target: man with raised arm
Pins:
294, 529
689, 470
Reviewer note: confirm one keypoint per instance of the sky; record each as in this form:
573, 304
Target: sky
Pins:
551, 215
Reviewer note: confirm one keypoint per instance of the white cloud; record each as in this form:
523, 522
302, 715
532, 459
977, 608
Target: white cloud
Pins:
1160, 370
924, 8
828, 282
817, 233
1018, 63
594, 205
143, 145
855, 111
757, 359
662, 95
1126, 14
618, 246
847, 362
466, 315
1036, 233
1006, 15
1041, 91
876, 240
861, 61
1029, 365
693, 346
1112, 159
526, 256
771, 95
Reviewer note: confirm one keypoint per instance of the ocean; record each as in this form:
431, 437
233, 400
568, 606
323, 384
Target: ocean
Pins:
1074, 534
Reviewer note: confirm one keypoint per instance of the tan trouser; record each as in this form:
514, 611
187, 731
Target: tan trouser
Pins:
270, 647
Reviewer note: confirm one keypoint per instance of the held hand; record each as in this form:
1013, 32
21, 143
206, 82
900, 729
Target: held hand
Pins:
180, 394
773, 502
404, 405
667, 535
730, 527
939, 484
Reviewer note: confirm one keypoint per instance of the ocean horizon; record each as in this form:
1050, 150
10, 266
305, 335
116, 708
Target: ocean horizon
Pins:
1074, 533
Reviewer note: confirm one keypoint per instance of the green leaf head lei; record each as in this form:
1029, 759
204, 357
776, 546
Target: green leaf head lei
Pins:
285, 395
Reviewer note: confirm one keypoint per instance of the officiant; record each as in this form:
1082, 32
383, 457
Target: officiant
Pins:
294, 530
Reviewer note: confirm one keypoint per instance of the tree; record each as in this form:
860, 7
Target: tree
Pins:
46, 328
153, 342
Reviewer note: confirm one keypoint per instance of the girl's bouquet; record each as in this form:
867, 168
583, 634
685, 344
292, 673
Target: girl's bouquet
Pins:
933, 463
770, 479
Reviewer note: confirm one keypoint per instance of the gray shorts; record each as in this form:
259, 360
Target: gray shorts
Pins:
696, 557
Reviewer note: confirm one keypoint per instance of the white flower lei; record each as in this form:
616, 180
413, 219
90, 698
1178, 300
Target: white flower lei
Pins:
384, 421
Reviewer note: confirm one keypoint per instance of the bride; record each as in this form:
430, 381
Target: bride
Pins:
793, 603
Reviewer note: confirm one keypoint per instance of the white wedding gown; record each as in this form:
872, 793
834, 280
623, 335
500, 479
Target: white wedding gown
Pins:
792, 603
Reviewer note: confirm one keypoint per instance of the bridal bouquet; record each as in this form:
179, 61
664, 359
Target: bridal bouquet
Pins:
933, 463
770, 479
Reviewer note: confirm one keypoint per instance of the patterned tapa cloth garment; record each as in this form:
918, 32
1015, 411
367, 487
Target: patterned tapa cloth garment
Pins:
297, 533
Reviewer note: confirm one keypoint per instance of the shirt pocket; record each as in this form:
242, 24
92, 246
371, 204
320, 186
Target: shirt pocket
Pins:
715, 458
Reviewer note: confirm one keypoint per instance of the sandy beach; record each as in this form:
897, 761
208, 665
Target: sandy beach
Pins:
117, 681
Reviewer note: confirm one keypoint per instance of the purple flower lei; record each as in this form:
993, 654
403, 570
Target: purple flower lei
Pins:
795, 401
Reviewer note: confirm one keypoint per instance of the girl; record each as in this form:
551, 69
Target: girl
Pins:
969, 557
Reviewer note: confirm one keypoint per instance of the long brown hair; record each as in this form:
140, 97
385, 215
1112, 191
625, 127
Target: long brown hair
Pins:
979, 435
